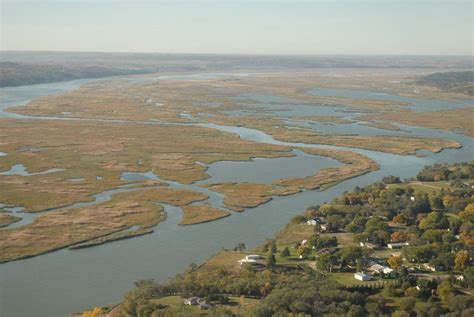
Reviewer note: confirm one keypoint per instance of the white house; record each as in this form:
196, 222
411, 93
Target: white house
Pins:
247, 261
192, 301
250, 259
368, 245
377, 268
253, 257
397, 245
362, 276
387, 270
316, 220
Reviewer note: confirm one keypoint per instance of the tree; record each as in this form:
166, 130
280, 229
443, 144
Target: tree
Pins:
334, 223
469, 276
271, 261
434, 220
400, 313
285, 252
420, 254
399, 236
468, 213
427, 309
399, 219
461, 261
445, 290
395, 262
325, 262
421, 204
375, 224
240, 247
436, 201
96, 312
407, 304
350, 254
273, 247
303, 251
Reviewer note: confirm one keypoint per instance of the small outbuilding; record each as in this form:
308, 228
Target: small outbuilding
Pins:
362, 276
397, 245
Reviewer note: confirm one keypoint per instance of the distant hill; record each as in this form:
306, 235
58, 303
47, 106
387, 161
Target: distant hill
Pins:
16, 74
460, 82
26, 68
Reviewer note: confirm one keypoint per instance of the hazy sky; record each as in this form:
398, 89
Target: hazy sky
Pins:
241, 27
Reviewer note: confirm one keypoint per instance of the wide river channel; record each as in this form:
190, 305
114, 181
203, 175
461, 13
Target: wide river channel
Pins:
68, 281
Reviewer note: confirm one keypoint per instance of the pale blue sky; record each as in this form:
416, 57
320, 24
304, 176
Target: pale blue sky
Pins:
240, 27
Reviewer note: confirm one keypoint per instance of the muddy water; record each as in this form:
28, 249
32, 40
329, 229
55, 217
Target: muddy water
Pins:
66, 281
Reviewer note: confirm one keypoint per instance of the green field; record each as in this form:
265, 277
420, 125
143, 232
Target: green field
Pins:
422, 187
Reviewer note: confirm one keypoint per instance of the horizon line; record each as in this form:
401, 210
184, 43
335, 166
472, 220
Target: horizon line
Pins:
243, 54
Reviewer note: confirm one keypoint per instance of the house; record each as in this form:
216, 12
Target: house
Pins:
387, 270
250, 259
397, 245
433, 267
192, 301
362, 276
375, 268
247, 261
368, 245
316, 220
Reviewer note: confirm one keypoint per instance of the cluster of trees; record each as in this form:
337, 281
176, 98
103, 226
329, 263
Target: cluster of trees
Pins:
282, 292
427, 297
302, 292
445, 172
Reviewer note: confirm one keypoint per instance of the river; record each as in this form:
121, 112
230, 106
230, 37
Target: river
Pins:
67, 281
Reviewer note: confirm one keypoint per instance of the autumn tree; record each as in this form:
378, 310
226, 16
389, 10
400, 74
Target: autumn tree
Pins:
96, 312
395, 262
303, 251
445, 290
399, 236
468, 213
461, 261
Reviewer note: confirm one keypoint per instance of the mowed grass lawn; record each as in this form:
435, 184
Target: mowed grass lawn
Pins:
225, 260
237, 305
422, 187
293, 233
347, 279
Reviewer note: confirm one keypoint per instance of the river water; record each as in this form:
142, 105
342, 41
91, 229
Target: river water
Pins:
67, 281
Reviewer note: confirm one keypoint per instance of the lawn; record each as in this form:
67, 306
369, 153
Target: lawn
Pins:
422, 187
293, 233
347, 279
224, 260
